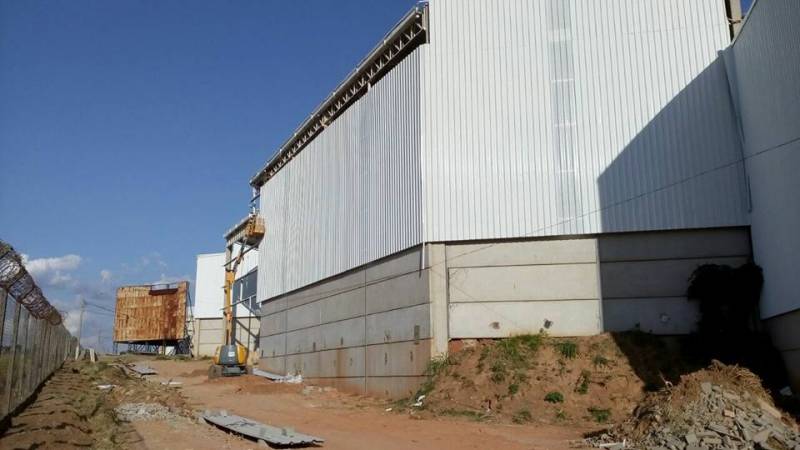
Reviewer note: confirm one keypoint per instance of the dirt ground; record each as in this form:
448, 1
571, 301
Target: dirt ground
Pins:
71, 412
344, 421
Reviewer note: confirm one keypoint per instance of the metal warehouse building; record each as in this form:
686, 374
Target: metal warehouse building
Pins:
494, 168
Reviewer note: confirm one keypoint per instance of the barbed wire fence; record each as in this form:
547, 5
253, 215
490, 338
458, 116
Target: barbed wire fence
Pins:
33, 339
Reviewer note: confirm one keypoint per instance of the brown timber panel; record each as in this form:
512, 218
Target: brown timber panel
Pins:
145, 314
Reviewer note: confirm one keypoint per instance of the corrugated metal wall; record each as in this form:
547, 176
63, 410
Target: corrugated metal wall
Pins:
764, 68
352, 195
577, 116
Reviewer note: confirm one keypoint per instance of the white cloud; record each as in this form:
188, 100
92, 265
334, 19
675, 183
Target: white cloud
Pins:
41, 267
166, 279
105, 275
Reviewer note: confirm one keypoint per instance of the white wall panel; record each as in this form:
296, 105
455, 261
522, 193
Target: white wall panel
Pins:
764, 69
209, 281
577, 116
352, 195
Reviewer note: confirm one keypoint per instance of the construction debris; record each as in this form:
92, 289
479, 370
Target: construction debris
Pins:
716, 417
135, 412
258, 431
143, 370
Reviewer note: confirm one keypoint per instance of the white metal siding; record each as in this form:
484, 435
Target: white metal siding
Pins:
352, 195
209, 281
577, 116
764, 66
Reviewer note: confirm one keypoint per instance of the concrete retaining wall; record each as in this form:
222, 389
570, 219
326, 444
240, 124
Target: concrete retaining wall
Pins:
365, 331
507, 288
783, 330
644, 276
373, 330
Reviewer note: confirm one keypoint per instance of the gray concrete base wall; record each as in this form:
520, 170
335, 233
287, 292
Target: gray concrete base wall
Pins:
644, 276
207, 334
783, 331
373, 330
365, 331
501, 289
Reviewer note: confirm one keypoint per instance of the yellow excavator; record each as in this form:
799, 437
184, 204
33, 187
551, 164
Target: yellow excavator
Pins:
230, 359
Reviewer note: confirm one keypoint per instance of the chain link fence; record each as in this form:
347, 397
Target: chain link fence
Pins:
33, 339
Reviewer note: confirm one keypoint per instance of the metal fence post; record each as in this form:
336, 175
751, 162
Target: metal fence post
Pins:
4, 297
6, 401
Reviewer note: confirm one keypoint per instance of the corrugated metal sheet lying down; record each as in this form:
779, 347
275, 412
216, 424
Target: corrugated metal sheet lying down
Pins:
259, 431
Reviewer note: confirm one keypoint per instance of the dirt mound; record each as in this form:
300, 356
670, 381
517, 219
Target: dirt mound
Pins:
718, 407
533, 378
76, 408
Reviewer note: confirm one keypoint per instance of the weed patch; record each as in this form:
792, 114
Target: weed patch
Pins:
554, 397
600, 415
567, 349
522, 416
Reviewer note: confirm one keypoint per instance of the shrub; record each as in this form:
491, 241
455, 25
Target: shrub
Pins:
554, 397
600, 415
567, 349
522, 416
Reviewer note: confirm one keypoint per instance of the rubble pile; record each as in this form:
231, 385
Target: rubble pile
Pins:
134, 412
712, 417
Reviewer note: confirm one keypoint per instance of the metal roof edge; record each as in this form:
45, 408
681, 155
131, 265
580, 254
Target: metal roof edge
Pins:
363, 66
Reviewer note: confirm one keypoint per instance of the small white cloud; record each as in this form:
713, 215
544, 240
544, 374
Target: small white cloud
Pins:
105, 275
40, 267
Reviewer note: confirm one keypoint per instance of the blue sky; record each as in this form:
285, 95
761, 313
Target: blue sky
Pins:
129, 130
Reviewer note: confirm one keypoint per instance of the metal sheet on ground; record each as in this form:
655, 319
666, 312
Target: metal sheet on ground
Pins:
143, 370
256, 430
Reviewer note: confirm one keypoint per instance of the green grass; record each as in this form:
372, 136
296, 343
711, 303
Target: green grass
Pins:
583, 383
436, 366
567, 349
522, 416
600, 361
466, 413
554, 397
513, 388
600, 415
510, 357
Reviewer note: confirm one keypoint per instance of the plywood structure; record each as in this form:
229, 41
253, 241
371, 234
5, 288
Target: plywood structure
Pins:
151, 313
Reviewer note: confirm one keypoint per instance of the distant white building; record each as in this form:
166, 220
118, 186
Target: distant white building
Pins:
206, 323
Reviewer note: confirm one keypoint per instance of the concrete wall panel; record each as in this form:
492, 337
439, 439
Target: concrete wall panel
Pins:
273, 306
405, 324
496, 320
674, 244
671, 315
273, 345
350, 384
521, 253
342, 306
667, 278
343, 362
307, 364
273, 364
303, 316
394, 387
305, 340
338, 285
398, 359
345, 333
402, 263
519, 283
273, 324
401, 291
